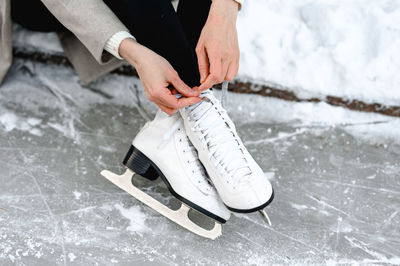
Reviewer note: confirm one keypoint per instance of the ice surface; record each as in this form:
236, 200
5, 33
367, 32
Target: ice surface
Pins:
336, 175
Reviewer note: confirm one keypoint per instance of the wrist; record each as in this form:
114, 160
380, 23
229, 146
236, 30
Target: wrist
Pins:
226, 8
129, 50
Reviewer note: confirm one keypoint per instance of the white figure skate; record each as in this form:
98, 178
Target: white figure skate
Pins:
162, 149
239, 180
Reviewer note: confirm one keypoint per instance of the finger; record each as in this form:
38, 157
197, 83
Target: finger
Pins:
216, 67
208, 83
215, 72
181, 86
212, 79
202, 60
174, 91
232, 71
167, 110
237, 60
186, 101
179, 103
167, 99
225, 69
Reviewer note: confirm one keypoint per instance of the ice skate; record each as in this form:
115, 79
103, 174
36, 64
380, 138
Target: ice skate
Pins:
239, 180
162, 149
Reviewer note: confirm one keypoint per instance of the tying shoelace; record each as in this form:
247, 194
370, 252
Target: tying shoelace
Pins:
219, 136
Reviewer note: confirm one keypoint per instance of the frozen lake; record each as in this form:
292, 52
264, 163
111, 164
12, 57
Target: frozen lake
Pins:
336, 175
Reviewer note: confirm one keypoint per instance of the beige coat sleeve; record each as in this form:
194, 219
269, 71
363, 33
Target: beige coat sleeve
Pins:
91, 21
5, 38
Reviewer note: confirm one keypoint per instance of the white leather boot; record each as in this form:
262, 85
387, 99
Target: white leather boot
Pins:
239, 180
162, 148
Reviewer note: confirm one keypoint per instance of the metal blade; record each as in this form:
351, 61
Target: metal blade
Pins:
179, 216
265, 216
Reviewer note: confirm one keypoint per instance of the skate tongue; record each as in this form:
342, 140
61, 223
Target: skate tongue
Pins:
222, 142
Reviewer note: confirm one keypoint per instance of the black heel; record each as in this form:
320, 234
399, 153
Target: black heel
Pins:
140, 164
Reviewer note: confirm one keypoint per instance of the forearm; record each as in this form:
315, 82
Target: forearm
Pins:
224, 12
131, 51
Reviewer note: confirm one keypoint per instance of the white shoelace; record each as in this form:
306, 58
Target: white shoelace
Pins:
215, 129
191, 157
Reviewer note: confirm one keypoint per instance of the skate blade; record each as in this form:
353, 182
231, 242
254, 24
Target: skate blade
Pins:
179, 216
265, 216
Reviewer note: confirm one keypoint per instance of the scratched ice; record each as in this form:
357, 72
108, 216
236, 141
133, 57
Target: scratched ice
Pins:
336, 175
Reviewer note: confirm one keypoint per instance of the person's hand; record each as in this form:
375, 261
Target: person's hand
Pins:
218, 49
156, 75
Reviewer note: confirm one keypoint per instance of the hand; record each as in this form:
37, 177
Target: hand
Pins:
218, 48
156, 75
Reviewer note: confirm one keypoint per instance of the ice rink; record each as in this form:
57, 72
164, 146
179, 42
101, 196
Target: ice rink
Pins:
336, 175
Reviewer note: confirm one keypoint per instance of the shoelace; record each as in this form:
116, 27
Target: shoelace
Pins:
190, 153
219, 137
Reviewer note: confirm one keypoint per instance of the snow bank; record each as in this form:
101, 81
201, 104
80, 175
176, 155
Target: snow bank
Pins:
316, 48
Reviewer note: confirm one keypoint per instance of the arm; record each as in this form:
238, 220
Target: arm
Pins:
91, 21
218, 48
156, 75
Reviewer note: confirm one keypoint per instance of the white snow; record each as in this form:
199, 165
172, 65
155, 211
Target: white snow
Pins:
47, 42
299, 207
135, 216
71, 257
316, 48
9, 121
77, 194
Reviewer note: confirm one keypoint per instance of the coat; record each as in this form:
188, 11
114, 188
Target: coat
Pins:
91, 23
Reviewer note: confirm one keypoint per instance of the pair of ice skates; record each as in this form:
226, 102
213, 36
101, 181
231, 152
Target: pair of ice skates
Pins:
203, 162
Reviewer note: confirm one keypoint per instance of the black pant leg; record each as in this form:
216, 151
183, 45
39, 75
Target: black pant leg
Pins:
193, 16
156, 25
34, 15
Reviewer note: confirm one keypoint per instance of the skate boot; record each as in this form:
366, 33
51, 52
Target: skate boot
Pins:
162, 148
239, 180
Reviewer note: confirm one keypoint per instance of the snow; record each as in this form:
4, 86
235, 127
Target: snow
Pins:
135, 216
77, 194
316, 48
10, 121
71, 257
45, 42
